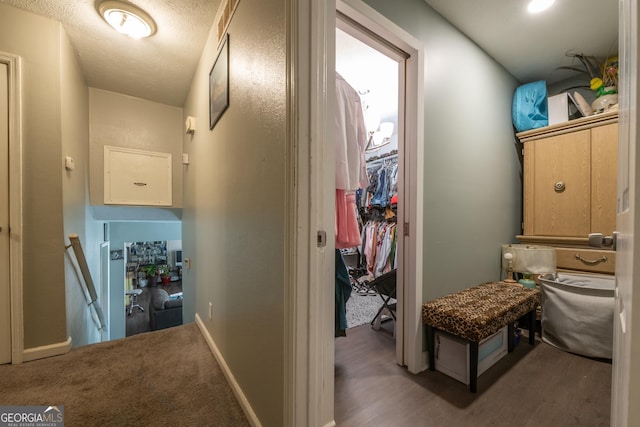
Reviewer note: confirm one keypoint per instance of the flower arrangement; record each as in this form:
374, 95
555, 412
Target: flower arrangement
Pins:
603, 76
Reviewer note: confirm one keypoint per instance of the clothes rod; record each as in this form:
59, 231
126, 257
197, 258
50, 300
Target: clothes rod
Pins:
392, 157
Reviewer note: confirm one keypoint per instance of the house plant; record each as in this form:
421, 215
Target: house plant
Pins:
163, 271
151, 271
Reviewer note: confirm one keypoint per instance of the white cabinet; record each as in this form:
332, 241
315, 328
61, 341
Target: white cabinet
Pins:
136, 177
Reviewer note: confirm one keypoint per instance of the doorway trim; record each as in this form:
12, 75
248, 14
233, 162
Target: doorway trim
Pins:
13, 63
413, 171
309, 381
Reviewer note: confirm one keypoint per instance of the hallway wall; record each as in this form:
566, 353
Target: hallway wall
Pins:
126, 121
75, 192
38, 42
235, 205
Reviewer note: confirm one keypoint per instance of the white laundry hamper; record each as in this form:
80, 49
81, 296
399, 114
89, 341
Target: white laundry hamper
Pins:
577, 313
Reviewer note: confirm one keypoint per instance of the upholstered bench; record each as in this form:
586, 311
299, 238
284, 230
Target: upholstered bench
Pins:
477, 313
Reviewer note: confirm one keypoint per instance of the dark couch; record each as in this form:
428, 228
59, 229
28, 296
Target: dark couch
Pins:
164, 312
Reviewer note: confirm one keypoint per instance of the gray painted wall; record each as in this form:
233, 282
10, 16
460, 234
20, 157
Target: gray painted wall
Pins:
472, 185
75, 137
126, 121
37, 41
119, 233
234, 209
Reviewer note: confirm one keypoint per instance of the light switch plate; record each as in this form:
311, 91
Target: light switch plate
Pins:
69, 164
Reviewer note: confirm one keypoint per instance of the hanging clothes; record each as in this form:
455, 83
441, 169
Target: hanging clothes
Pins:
351, 138
379, 246
347, 226
343, 292
351, 172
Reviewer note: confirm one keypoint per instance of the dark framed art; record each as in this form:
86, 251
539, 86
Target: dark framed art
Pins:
219, 84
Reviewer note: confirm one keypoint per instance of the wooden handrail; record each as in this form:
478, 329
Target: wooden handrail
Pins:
84, 269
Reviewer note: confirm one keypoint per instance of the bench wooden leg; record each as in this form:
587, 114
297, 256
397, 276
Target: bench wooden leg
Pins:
473, 366
431, 347
510, 337
532, 327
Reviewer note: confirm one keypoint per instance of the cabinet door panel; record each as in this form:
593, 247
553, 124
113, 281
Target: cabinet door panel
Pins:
563, 159
136, 177
604, 172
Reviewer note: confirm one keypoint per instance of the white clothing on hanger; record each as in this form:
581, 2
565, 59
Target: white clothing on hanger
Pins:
351, 138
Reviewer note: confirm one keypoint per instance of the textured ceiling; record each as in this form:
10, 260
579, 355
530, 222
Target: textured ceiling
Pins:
159, 68
532, 47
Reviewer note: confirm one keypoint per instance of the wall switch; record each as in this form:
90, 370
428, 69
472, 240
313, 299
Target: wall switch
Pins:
69, 164
185, 158
190, 125
210, 310
187, 263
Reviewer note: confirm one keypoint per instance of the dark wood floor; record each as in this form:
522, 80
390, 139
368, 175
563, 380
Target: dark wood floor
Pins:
138, 321
533, 386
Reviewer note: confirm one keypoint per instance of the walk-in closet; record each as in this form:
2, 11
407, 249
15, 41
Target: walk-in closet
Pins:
372, 74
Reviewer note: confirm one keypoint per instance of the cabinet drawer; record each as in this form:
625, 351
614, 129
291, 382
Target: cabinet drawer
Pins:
592, 260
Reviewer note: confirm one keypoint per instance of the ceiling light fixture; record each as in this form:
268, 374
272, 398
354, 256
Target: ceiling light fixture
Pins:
127, 19
536, 6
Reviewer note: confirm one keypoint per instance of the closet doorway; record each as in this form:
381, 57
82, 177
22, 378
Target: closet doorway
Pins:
376, 69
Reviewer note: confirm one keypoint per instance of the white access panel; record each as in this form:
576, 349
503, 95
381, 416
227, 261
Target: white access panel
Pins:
136, 177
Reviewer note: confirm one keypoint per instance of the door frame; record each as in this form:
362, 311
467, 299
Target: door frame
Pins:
625, 376
309, 324
411, 157
13, 63
356, 31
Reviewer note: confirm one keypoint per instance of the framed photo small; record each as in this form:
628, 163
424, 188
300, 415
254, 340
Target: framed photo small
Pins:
219, 84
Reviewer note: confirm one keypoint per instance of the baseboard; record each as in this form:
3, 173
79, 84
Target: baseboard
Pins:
242, 399
425, 361
46, 351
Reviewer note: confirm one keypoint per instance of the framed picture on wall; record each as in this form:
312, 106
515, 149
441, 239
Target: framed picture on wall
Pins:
219, 84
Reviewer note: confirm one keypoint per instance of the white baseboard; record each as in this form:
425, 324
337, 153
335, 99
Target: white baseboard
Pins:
242, 399
425, 361
57, 349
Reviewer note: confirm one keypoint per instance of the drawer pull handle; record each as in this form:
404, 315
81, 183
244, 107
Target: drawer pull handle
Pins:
591, 262
140, 184
559, 187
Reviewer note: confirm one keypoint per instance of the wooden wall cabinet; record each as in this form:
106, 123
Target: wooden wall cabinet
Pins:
570, 178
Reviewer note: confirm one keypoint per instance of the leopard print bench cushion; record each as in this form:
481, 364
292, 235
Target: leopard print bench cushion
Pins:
479, 312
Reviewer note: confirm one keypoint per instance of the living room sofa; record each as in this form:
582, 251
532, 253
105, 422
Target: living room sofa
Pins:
164, 312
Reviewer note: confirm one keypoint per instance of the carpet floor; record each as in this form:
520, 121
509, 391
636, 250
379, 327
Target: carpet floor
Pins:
162, 378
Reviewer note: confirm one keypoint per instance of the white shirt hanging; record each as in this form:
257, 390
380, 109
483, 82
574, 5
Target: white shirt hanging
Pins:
351, 138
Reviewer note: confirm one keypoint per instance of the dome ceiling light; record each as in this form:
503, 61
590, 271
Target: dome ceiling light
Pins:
537, 6
127, 19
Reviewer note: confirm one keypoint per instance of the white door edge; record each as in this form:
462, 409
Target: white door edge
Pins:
625, 387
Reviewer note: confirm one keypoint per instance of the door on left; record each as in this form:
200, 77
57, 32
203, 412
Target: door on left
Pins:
5, 283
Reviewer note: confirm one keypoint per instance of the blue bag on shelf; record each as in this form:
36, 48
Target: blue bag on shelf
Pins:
530, 109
